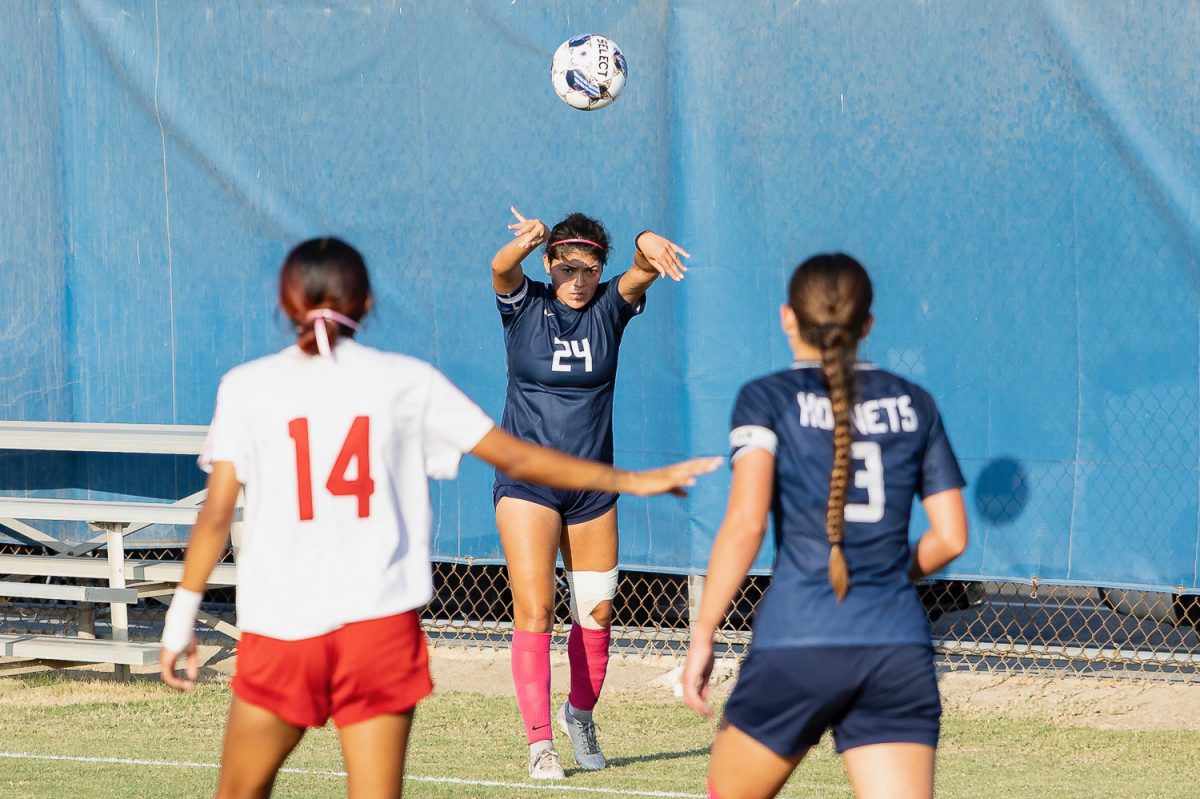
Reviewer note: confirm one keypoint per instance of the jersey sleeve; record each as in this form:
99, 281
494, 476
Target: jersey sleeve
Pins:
451, 425
753, 423
619, 309
228, 436
939, 467
510, 305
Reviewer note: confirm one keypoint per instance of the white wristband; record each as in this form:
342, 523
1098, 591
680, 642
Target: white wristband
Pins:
180, 624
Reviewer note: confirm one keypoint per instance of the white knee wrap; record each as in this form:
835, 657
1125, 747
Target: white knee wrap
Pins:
587, 590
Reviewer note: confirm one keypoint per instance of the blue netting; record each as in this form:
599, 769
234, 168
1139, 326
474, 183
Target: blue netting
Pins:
1020, 178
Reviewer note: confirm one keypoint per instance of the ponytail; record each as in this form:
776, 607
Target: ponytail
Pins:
321, 330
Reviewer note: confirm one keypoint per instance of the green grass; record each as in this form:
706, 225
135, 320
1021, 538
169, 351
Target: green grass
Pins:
652, 747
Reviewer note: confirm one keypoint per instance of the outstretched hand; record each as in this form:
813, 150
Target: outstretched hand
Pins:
674, 479
654, 253
529, 233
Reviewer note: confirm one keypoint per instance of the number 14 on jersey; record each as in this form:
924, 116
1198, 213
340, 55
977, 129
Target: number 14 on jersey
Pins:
356, 447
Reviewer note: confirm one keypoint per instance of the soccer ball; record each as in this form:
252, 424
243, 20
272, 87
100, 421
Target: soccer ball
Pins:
588, 72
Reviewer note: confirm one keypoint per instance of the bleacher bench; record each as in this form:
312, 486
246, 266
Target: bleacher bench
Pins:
78, 650
149, 578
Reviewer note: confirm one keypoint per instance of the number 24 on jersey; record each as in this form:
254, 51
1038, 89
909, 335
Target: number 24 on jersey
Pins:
356, 448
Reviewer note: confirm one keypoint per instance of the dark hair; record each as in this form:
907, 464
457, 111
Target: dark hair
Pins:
323, 273
578, 226
831, 296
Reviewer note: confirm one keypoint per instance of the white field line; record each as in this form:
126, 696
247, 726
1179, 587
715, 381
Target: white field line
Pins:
565, 789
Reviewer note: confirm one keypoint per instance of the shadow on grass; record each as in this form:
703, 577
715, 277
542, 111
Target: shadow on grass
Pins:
618, 762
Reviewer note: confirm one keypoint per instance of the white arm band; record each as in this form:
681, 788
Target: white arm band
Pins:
180, 623
752, 436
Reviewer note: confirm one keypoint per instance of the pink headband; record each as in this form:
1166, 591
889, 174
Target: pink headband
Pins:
574, 241
319, 316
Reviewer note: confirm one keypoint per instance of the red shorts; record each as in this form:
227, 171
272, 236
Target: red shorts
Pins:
357, 672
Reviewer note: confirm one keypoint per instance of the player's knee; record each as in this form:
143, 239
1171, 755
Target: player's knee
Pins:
602, 614
533, 617
591, 595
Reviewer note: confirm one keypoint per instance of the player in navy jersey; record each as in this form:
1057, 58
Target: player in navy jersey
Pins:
562, 340
836, 450
334, 442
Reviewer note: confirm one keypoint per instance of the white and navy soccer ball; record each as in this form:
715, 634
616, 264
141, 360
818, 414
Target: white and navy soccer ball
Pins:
588, 71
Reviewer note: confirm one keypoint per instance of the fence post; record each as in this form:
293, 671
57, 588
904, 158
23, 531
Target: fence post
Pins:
695, 589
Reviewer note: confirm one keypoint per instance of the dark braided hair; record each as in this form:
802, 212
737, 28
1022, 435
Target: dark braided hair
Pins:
578, 226
831, 297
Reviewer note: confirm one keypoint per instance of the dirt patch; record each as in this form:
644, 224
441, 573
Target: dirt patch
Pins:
1125, 704
487, 671
1101, 703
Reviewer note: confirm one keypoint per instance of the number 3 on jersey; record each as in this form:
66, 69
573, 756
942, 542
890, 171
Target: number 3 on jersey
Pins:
356, 447
871, 478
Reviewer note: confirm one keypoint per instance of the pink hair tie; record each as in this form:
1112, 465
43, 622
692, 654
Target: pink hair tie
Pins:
319, 316
574, 241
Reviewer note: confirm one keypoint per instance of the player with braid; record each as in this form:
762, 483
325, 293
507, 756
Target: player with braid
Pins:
836, 449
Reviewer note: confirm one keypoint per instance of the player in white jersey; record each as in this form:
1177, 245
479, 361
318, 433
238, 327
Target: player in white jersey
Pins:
334, 443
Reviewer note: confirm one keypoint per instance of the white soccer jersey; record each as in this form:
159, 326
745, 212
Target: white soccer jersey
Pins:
335, 455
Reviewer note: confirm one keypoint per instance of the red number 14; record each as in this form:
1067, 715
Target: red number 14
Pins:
356, 447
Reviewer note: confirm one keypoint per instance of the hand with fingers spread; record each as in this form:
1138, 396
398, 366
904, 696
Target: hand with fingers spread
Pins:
697, 669
657, 254
529, 233
674, 479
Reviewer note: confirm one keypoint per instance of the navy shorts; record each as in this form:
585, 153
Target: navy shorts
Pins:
575, 507
786, 698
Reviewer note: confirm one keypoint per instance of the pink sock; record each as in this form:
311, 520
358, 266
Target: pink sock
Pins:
588, 652
531, 678
711, 793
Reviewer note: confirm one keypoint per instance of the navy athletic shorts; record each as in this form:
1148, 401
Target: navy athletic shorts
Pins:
786, 698
575, 507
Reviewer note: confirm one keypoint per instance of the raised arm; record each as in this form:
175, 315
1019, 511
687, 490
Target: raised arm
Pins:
946, 537
555, 469
734, 549
653, 257
528, 234
206, 545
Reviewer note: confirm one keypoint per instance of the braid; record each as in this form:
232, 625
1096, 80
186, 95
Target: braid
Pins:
830, 296
837, 356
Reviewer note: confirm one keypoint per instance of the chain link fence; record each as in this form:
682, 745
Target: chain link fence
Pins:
976, 626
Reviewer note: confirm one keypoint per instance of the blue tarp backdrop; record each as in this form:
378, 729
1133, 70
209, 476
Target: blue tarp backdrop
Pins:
1021, 179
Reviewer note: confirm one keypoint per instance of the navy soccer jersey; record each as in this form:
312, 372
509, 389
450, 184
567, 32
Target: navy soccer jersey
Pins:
900, 451
562, 367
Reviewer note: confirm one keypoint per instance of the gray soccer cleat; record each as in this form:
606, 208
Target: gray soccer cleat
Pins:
544, 765
583, 740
